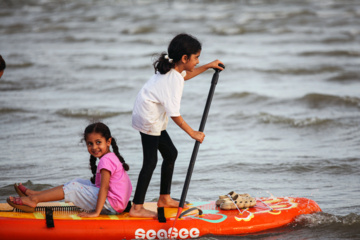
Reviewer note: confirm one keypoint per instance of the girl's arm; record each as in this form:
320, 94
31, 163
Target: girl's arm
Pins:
104, 188
198, 136
203, 68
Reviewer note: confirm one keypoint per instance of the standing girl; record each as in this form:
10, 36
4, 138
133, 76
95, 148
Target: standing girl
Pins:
158, 100
109, 190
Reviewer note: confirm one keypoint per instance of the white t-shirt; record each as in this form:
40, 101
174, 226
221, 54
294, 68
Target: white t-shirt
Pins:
158, 100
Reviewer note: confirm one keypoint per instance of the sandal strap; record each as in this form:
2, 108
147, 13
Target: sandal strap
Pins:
18, 201
22, 188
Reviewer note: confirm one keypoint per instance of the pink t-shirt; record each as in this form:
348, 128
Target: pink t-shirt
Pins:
120, 187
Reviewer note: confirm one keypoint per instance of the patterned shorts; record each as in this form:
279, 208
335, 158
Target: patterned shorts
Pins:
84, 194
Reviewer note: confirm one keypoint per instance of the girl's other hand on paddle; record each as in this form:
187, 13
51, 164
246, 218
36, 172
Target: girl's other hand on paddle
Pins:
198, 136
215, 64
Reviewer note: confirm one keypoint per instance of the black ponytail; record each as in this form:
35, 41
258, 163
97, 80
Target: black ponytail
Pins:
182, 44
163, 65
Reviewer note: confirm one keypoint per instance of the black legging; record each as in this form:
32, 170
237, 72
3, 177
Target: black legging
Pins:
169, 153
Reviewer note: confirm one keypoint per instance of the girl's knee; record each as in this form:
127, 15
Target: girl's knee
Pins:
148, 168
171, 156
175, 154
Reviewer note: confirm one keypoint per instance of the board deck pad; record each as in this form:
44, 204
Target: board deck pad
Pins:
61, 212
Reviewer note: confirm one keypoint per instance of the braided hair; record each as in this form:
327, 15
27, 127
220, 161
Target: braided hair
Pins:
182, 44
102, 129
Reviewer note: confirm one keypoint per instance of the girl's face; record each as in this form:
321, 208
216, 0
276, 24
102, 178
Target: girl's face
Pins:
97, 145
191, 62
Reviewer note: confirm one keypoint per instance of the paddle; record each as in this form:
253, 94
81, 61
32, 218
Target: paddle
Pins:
197, 144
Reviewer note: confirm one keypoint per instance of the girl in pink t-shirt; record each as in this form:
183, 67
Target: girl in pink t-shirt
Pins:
108, 191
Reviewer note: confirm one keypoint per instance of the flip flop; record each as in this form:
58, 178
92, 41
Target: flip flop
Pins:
20, 189
227, 204
18, 203
233, 195
242, 195
222, 198
245, 202
220, 201
241, 201
252, 202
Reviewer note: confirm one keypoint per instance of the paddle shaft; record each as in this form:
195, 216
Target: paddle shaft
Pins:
197, 143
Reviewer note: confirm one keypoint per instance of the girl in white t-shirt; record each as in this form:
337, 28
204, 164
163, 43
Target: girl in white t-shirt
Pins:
109, 190
158, 100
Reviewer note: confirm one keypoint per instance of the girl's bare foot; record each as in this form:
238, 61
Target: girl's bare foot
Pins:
166, 201
138, 210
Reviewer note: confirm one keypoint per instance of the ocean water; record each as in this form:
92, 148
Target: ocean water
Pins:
284, 121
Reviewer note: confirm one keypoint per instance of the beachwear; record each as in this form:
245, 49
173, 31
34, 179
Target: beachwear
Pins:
120, 187
84, 194
169, 153
158, 100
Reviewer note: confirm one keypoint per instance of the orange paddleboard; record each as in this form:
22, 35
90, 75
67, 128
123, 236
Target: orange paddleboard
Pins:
267, 214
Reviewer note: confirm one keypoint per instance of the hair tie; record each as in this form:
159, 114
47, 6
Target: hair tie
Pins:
170, 59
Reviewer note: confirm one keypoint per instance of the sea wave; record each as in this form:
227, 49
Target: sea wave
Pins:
20, 65
88, 113
301, 71
99, 67
317, 100
139, 30
331, 167
248, 96
21, 85
4, 110
15, 28
322, 219
346, 38
236, 30
302, 122
335, 53
312, 100
71, 39
52, 29
345, 77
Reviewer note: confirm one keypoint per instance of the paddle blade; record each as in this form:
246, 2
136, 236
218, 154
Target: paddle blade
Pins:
177, 216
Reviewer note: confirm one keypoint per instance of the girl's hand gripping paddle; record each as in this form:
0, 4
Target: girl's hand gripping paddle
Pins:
197, 144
